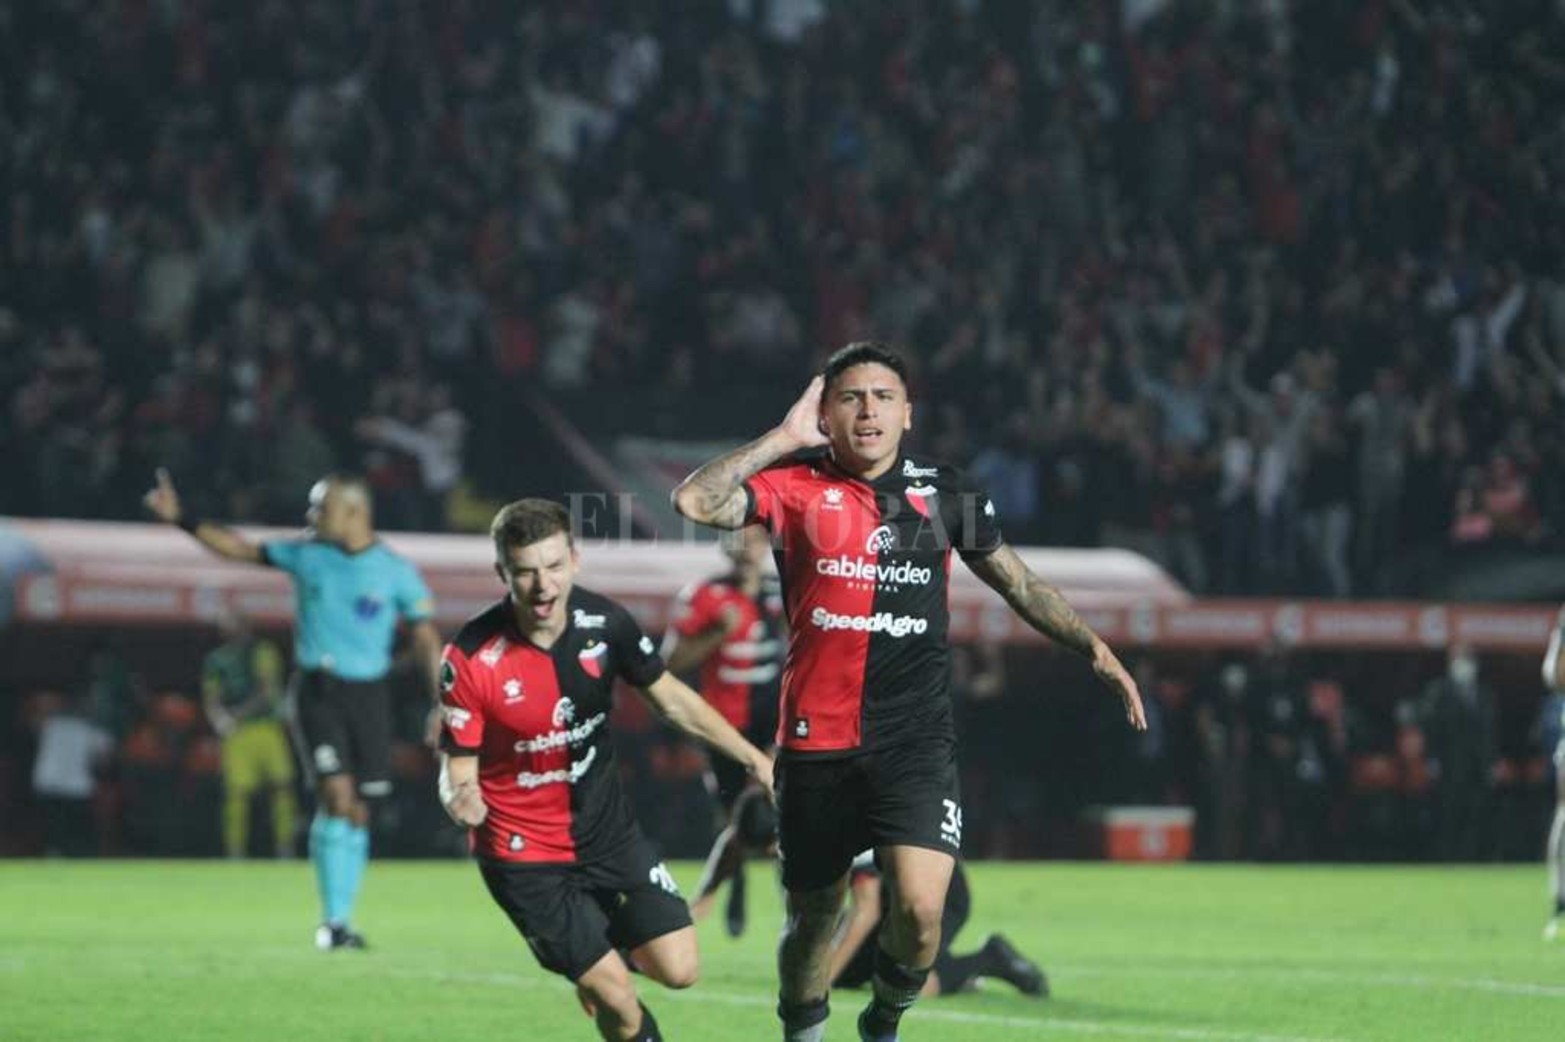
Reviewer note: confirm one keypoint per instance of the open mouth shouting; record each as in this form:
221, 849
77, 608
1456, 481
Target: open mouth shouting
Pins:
868, 437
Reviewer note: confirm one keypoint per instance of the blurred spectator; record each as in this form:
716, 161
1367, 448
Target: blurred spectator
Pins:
1289, 770
1222, 728
242, 693
71, 752
113, 692
1326, 505
435, 441
1147, 776
1168, 241
1458, 717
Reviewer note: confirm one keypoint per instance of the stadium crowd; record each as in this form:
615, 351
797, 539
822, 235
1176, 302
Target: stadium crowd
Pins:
1269, 291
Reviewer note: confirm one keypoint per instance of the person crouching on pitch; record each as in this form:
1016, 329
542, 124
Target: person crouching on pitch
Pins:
526, 763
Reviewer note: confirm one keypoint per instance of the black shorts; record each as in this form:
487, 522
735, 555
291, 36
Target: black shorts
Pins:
830, 811
958, 907
344, 727
573, 915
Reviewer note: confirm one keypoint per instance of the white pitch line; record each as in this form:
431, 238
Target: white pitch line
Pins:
1404, 980
1034, 1024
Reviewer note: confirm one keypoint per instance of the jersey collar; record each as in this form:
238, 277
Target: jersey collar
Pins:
885, 480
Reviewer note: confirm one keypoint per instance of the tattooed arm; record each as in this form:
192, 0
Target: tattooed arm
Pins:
1045, 609
714, 494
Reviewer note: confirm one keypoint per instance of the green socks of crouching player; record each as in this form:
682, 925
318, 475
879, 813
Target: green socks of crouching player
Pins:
804, 1021
896, 989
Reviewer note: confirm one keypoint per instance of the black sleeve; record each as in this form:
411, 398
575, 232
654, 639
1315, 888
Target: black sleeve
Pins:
975, 531
636, 658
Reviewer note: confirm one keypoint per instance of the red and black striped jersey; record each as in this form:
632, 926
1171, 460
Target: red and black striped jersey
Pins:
865, 569
741, 678
537, 719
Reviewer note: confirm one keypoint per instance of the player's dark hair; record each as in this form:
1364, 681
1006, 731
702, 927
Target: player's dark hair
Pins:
866, 352
525, 522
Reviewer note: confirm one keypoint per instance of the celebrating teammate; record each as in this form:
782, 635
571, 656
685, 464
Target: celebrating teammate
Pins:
526, 762
1554, 680
854, 947
868, 747
731, 628
350, 590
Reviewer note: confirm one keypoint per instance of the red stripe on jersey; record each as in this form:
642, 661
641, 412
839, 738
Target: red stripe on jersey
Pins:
526, 765
829, 575
866, 574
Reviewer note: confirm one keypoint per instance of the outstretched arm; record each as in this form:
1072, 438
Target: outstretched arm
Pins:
426, 654
1045, 609
689, 712
714, 494
164, 503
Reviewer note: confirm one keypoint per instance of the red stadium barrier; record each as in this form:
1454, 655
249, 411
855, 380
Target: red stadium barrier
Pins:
150, 575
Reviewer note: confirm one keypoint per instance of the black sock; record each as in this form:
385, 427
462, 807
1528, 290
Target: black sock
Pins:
804, 1020
957, 971
896, 989
736, 892
649, 1027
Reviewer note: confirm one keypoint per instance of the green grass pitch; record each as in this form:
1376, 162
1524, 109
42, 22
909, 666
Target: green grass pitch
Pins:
161, 951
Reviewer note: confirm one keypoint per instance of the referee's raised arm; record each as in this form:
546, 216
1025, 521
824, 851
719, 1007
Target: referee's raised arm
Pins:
163, 501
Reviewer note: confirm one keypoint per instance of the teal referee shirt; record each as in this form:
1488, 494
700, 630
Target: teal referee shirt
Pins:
348, 604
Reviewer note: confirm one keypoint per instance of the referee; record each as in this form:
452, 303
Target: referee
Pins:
350, 591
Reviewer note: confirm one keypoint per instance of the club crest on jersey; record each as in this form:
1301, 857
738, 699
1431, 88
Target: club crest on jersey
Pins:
494, 652
591, 659
922, 497
833, 498
513, 690
910, 470
564, 712
801, 727
881, 540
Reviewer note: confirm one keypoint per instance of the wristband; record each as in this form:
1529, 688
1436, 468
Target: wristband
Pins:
189, 524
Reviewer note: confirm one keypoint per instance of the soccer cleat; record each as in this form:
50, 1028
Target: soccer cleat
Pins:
1553, 928
864, 1032
1016, 969
330, 937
